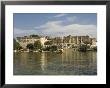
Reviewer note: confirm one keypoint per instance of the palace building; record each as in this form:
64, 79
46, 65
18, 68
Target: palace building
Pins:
58, 41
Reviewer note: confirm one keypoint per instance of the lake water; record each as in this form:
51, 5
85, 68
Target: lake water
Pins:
70, 62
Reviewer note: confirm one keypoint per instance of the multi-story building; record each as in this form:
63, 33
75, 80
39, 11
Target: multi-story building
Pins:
66, 41
76, 39
23, 41
93, 42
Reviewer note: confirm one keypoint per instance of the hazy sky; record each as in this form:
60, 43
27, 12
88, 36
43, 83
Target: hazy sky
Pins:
55, 24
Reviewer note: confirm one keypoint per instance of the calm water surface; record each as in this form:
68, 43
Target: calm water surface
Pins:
50, 63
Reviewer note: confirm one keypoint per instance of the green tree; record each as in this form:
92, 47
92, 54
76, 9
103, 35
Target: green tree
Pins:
16, 45
35, 36
37, 45
30, 46
53, 48
48, 43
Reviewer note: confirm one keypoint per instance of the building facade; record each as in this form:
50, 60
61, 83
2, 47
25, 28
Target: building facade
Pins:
66, 41
24, 41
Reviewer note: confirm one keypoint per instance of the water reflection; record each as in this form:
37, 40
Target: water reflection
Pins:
43, 61
70, 62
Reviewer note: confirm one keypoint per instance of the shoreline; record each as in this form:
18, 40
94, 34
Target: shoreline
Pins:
54, 51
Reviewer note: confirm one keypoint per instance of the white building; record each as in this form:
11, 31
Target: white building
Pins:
23, 41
